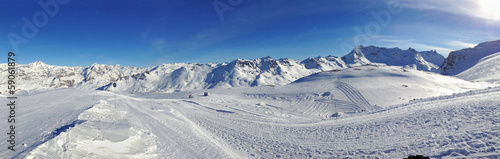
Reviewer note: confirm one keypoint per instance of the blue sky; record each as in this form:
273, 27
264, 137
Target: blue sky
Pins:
151, 32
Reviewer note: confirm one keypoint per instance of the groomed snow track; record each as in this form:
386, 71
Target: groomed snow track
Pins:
354, 96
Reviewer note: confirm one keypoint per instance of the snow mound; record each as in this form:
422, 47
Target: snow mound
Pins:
104, 133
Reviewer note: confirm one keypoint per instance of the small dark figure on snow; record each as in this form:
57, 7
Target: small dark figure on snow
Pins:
417, 157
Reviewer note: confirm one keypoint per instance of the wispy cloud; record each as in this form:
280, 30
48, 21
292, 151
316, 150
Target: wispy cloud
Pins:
146, 33
462, 44
252, 12
449, 36
470, 8
418, 45
397, 40
150, 30
257, 14
424, 47
160, 44
252, 17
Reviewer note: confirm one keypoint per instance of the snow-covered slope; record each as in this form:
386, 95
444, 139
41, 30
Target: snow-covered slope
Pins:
427, 60
486, 69
379, 85
292, 121
461, 60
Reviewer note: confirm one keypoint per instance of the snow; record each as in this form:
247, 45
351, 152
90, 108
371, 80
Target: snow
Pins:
398, 84
318, 116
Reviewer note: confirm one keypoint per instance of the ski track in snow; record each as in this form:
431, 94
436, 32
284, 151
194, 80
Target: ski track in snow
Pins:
354, 95
155, 122
393, 134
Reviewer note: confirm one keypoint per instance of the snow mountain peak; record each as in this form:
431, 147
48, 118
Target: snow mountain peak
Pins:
429, 60
37, 64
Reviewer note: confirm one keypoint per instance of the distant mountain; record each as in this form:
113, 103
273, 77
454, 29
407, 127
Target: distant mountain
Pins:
461, 60
427, 61
238, 73
38, 74
247, 73
171, 77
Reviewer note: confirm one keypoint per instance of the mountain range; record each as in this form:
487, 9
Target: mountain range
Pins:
257, 72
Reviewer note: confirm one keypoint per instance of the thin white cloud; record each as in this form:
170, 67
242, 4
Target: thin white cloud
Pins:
469, 8
146, 33
424, 47
253, 15
447, 38
150, 30
160, 44
455, 43
267, 11
417, 45
397, 40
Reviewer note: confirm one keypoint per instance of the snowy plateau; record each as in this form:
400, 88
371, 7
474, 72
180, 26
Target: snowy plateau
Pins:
371, 103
